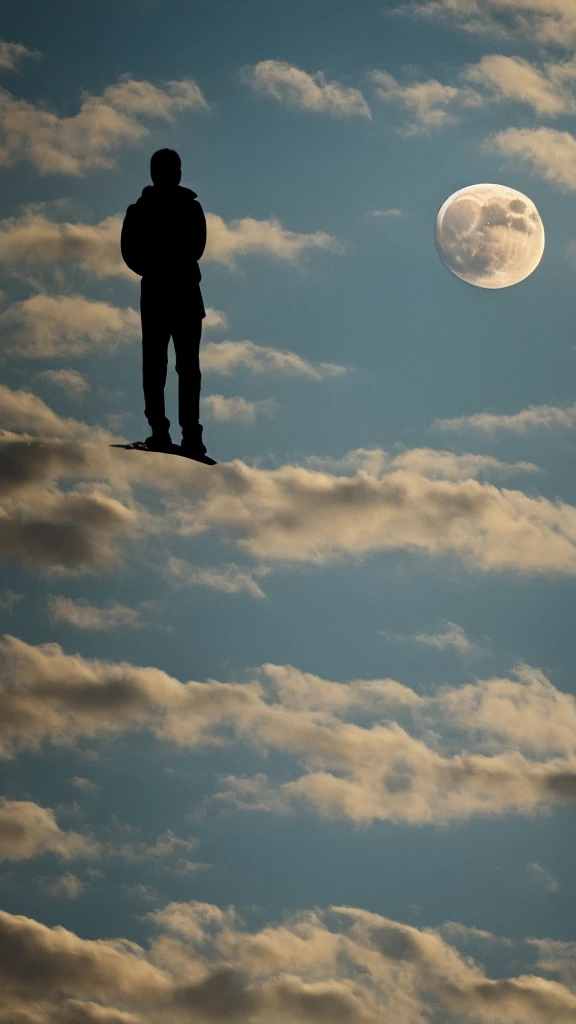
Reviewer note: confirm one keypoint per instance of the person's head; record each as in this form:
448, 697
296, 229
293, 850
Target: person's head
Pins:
165, 167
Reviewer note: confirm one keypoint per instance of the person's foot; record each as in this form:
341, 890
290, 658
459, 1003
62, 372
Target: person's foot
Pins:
159, 442
196, 452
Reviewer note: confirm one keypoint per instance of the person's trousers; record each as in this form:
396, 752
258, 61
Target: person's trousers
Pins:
174, 310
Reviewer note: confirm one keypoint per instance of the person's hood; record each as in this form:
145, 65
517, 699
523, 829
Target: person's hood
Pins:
158, 193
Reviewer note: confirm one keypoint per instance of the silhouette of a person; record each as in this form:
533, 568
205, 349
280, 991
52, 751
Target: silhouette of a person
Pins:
163, 237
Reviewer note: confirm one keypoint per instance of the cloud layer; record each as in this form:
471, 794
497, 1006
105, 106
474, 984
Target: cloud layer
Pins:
341, 964
499, 745
86, 141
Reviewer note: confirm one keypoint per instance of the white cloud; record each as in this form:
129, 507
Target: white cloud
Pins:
509, 748
225, 409
214, 319
392, 212
27, 830
338, 963
533, 417
452, 636
86, 140
230, 579
57, 326
431, 104
247, 235
66, 886
515, 79
539, 21
9, 598
227, 356
12, 53
549, 153
541, 878
83, 615
27, 415
297, 88
33, 242
72, 383
429, 462
85, 785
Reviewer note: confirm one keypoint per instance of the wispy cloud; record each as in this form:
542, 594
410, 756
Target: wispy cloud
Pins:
392, 212
538, 21
297, 88
64, 887
237, 408
511, 746
57, 326
336, 963
449, 635
83, 615
86, 140
72, 383
12, 53
533, 417
226, 356
229, 579
33, 243
541, 878
27, 830
549, 153
430, 104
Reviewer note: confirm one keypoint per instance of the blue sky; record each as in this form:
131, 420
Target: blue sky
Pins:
335, 670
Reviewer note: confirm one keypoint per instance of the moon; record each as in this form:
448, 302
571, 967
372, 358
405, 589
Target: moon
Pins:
489, 235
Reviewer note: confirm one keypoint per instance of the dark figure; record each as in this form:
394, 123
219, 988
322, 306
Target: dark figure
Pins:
163, 237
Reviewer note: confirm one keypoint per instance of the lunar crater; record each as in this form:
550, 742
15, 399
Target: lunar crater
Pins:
490, 235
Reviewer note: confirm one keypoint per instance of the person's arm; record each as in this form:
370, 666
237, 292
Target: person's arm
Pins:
131, 241
198, 230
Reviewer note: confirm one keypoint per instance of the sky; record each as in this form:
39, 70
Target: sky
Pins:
290, 738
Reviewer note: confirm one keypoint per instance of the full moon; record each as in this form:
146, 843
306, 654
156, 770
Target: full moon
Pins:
489, 235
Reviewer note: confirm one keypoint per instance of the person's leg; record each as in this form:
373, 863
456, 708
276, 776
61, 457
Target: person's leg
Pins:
187, 332
155, 339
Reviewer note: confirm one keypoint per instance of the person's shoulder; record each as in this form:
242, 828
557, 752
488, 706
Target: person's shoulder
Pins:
187, 193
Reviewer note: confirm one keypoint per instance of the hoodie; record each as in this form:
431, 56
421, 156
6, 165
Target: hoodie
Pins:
164, 233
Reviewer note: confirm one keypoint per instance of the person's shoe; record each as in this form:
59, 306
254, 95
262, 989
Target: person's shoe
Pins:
196, 452
160, 442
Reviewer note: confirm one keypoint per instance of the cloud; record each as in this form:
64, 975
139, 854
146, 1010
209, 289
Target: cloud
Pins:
500, 745
9, 598
59, 530
548, 153
247, 236
34, 241
83, 615
452, 636
85, 785
340, 964
539, 21
392, 212
515, 79
290, 514
533, 417
27, 830
429, 462
72, 383
86, 141
225, 409
297, 88
26, 414
226, 356
229, 579
431, 104
214, 318
12, 53
66, 887
541, 878
57, 326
